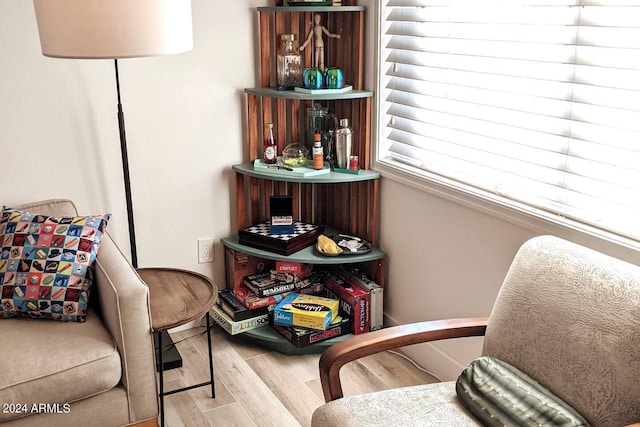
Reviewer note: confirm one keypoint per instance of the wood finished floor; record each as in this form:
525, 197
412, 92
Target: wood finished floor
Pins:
259, 387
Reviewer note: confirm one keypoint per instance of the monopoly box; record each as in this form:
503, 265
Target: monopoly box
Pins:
303, 337
307, 311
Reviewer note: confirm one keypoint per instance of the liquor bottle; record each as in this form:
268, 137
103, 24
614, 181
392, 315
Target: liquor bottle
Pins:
318, 155
289, 64
269, 149
344, 138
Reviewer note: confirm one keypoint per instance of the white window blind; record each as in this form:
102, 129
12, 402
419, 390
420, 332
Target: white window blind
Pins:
534, 101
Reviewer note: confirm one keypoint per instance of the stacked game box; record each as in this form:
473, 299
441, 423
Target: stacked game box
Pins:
257, 286
267, 288
303, 337
234, 317
307, 311
357, 278
354, 301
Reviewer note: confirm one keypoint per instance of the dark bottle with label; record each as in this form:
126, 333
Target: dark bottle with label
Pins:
269, 149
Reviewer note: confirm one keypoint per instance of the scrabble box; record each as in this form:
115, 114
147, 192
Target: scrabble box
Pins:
234, 328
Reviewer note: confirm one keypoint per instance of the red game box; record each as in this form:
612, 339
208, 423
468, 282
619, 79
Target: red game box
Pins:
354, 301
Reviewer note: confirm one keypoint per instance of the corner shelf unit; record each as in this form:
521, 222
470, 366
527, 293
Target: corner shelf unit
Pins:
347, 203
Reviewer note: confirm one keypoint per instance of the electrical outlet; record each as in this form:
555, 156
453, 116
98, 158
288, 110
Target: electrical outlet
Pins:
206, 251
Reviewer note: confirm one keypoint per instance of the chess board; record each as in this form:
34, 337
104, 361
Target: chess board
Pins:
259, 236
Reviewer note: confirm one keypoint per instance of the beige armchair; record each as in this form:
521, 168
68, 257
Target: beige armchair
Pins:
104, 369
567, 316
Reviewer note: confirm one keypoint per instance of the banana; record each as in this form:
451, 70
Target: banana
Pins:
327, 246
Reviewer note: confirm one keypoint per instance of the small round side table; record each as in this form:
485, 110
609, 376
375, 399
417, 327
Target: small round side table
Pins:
178, 297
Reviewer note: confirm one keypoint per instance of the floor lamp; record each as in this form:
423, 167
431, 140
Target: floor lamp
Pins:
115, 29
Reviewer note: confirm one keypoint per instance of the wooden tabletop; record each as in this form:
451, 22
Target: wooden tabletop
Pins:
177, 296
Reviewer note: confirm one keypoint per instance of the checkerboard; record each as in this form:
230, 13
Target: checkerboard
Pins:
259, 236
264, 229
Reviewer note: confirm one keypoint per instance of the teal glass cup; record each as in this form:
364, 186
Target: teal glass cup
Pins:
313, 78
334, 78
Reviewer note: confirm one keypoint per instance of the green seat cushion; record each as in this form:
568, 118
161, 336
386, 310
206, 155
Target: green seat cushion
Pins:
499, 394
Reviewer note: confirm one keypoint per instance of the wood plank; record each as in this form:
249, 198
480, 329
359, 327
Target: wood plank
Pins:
252, 151
232, 415
242, 367
265, 48
181, 410
195, 370
395, 371
287, 386
248, 389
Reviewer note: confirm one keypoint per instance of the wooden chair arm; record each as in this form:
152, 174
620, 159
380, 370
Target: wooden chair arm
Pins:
336, 356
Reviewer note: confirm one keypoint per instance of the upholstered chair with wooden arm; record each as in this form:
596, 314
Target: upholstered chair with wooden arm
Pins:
567, 316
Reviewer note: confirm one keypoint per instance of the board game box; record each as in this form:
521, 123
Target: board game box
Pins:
307, 311
259, 236
239, 265
358, 278
235, 309
354, 301
252, 302
262, 285
302, 337
221, 318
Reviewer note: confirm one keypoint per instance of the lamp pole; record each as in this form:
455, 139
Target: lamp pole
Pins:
125, 171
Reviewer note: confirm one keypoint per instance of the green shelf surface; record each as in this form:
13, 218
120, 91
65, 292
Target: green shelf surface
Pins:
271, 339
282, 175
308, 255
311, 8
292, 94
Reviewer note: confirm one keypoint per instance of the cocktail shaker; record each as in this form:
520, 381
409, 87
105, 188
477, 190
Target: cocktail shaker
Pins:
344, 139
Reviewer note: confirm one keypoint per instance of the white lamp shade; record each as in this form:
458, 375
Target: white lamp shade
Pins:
113, 28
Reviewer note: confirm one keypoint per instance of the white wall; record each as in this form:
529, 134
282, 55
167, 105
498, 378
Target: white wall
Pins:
184, 122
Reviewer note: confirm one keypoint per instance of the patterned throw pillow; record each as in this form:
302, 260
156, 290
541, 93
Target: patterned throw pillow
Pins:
46, 264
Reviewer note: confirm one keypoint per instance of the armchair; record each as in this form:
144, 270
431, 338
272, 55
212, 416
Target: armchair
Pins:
98, 373
567, 316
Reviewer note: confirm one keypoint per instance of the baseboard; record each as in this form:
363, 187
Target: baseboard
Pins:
427, 355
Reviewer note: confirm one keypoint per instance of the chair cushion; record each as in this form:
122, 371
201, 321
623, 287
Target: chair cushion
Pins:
426, 405
46, 264
56, 362
499, 394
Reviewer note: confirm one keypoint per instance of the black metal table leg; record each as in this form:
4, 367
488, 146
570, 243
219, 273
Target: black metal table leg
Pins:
159, 335
213, 389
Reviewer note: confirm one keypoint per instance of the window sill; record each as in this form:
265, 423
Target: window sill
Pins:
537, 221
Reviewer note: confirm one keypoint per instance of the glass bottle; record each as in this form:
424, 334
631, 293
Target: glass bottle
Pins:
318, 156
289, 64
269, 148
344, 139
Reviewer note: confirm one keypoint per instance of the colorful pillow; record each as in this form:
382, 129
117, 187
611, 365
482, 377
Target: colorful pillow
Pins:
46, 264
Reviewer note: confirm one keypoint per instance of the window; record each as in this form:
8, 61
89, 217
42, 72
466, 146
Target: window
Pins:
533, 103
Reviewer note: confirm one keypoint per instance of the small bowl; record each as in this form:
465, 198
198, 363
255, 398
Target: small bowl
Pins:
295, 155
